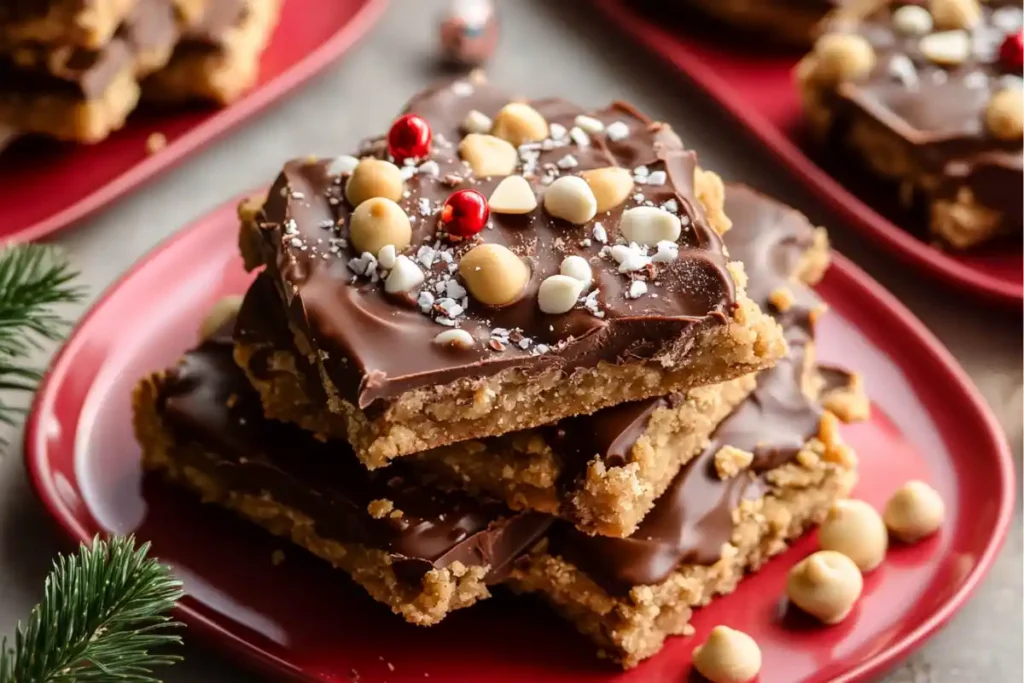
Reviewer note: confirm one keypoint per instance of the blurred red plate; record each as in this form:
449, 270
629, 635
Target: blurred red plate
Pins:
309, 623
46, 186
755, 85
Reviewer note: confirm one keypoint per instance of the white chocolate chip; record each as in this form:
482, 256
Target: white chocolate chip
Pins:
519, 123
342, 165
856, 530
727, 656
667, 252
558, 131
946, 48
577, 267
825, 585
374, 178
617, 131
915, 511
657, 178
493, 274
459, 339
386, 256
589, 124
579, 136
405, 276
378, 222
429, 168
630, 258
477, 122
649, 225
637, 288
224, 310
611, 186
571, 199
488, 155
558, 294
513, 195
912, 20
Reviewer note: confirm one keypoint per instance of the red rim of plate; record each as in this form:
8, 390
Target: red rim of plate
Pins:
856, 213
36, 462
213, 127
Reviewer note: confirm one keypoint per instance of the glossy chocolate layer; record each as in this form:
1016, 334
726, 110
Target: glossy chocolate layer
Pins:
215, 417
377, 347
32, 69
692, 520
940, 110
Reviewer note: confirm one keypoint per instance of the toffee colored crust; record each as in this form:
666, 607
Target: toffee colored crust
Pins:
922, 125
87, 24
202, 423
218, 58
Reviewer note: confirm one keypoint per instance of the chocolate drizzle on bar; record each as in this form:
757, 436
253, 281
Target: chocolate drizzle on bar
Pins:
216, 417
692, 520
376, 347
939, 110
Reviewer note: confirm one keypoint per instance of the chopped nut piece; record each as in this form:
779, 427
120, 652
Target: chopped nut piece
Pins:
459, 339
912, 20
513, 195
730, 461
649, 225
782, 299
558, 294
1004, 114
947, 48
571, 199
955, 14
842, 57
405, 276
577, 267
611, 186
488, 156
519, 123
380, 508
476, 122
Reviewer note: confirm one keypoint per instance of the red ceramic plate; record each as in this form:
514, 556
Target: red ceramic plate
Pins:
46, 186
755, 85
307, 621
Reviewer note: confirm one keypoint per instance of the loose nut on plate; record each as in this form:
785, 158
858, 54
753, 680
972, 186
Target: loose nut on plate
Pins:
842, 57
915, 511
611, 186
577, 267
477, 122
519, 123
946, 48
494, 275
912, 20
826, 585
571, 199
224, 310
513, 195
558, 294
727, 656
954, 14
378, 222
649, 225
856, 530
459, 339
405, 276
488, 155
1004, 115
373, 178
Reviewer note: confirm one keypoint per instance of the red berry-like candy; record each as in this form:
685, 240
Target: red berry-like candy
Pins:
409, 138
1011, 52
464, 213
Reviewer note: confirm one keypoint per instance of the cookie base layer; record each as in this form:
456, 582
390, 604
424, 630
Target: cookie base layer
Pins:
218, 73
67, 22
630, 628
427, 602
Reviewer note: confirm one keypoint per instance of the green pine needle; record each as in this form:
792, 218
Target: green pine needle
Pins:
33, 279
103, 610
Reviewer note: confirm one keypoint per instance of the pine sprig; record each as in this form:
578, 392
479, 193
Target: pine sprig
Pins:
103, 610
33, 279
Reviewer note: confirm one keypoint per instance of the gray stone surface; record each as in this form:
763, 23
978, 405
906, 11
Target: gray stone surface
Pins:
548, 48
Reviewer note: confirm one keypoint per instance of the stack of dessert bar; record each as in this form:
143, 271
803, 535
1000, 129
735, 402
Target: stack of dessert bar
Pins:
433, 422
74, 69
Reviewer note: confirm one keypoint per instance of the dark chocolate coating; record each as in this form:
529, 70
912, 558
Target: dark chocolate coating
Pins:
940, 111
692, 520
208, 403
379, 347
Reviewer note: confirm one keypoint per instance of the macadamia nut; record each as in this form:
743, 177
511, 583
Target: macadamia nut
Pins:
954, 14
649, 225
519, 123
915, 511
571, 199
727, 656
493, 274
378, 222
611, 186
856, 530
513, 195
488, 155
558, 294
224, 310
373, 178
1004, 115
826, 585
842, 57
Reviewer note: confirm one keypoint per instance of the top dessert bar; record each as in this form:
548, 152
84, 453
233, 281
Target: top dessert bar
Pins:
786, 21
928, 95
80, 23
450, 339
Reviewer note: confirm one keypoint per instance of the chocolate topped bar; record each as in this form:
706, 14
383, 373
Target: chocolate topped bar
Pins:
930, 94
582, 251
79, 23
206, 402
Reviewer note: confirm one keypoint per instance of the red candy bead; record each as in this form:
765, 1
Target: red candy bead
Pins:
409, 138
464, 213
1011, 52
